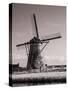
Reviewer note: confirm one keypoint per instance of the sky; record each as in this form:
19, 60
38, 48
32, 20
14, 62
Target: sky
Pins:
50, 20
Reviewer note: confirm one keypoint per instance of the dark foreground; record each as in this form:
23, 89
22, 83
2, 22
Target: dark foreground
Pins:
37, 81
38, 78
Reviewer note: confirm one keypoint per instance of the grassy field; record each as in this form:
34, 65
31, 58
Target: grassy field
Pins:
38, 78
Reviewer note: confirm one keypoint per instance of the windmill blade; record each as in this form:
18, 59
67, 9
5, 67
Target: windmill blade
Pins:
52, 37
36, 26
18, 45
47, 38
23, 44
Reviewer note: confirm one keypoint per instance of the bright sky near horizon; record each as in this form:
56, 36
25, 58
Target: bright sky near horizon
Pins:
50, 19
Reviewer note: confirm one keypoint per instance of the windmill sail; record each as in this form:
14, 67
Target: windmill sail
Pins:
46, 38
51, 37
18, 45
37, 35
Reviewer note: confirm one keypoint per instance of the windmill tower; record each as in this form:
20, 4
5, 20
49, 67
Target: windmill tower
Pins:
34, 58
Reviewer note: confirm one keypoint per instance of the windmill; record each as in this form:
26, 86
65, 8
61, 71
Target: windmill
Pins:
34, 55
